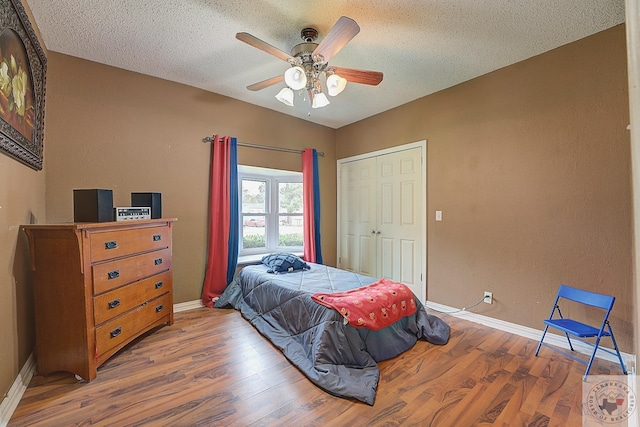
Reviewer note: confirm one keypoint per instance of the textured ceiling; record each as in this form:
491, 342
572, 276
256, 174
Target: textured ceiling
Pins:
420, 46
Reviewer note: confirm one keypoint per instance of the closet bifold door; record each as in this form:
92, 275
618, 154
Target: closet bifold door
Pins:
381, 216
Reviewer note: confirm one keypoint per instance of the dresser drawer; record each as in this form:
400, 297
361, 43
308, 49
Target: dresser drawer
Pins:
111, 304
123, 328
113, 274
118, 243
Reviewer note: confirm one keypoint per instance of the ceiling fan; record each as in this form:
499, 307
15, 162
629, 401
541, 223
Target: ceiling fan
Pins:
310, 61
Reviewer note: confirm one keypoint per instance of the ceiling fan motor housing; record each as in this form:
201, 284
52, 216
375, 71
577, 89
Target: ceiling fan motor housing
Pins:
303, 50
309, 35
312, 68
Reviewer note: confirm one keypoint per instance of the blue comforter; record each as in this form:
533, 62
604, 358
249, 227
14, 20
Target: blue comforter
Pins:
333, 355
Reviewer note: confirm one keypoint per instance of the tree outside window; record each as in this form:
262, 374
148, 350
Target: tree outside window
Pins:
290, 214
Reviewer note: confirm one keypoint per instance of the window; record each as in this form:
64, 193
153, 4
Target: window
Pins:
270, 211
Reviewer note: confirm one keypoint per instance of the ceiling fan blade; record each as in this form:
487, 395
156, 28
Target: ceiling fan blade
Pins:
266, 83
338, 36
264, 46
364, 77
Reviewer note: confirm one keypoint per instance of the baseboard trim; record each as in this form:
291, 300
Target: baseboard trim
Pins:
189, 305
11, 400
534, 334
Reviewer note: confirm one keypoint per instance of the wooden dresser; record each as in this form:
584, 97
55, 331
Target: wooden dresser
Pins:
97, 287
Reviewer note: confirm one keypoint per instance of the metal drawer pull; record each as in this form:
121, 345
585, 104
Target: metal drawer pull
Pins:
111, 245
113, 274
117, 331
159, 308
114, 303
157, 237
159, 285
158, 261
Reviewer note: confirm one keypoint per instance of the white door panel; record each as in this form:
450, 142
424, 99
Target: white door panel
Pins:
399, 182
358, 217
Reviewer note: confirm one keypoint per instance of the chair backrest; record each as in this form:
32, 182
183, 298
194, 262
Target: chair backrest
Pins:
586, 297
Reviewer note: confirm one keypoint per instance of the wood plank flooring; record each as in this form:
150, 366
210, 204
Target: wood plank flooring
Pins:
212, 368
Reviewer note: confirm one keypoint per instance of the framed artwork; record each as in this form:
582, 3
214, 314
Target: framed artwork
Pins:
23, 67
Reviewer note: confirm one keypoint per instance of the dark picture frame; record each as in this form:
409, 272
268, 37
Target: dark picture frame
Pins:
23, 69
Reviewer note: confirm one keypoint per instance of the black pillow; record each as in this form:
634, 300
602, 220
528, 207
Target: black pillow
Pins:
284, 263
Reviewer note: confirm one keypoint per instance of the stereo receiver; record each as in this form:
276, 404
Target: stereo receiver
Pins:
132, 213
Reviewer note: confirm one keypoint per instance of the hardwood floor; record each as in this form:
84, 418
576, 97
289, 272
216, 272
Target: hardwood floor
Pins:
213, 368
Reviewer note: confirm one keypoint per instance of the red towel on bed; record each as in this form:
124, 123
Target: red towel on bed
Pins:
374, 306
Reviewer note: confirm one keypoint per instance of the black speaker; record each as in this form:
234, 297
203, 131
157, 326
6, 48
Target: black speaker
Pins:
93, 205
151, 200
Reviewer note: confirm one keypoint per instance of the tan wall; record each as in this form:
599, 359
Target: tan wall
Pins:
21, 202
115, 129
531, 167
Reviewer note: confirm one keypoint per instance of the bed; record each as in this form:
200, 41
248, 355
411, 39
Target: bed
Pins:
335, 356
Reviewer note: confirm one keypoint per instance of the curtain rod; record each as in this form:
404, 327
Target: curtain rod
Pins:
264, 147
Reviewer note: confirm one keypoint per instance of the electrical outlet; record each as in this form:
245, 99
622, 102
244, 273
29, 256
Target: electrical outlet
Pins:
488, 297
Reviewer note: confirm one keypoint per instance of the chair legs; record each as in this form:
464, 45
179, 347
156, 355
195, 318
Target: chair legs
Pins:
542, 339
615, 346
569, 340
593, 355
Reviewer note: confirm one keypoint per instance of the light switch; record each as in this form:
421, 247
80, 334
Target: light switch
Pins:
438, 215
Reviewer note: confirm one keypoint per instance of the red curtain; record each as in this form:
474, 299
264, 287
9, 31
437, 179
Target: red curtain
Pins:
311, 204
223, 162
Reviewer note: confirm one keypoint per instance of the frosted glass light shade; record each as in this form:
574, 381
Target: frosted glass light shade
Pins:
295, 78
335, 84
285, 96
319, 100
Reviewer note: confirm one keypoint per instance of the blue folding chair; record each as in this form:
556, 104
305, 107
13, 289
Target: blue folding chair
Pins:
579, 329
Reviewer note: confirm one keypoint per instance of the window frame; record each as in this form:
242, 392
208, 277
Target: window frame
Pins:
272, 178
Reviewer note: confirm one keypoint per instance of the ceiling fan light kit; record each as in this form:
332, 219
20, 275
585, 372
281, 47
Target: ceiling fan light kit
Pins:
309, 62
285, 96
319, 100
335, 84
295, 78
